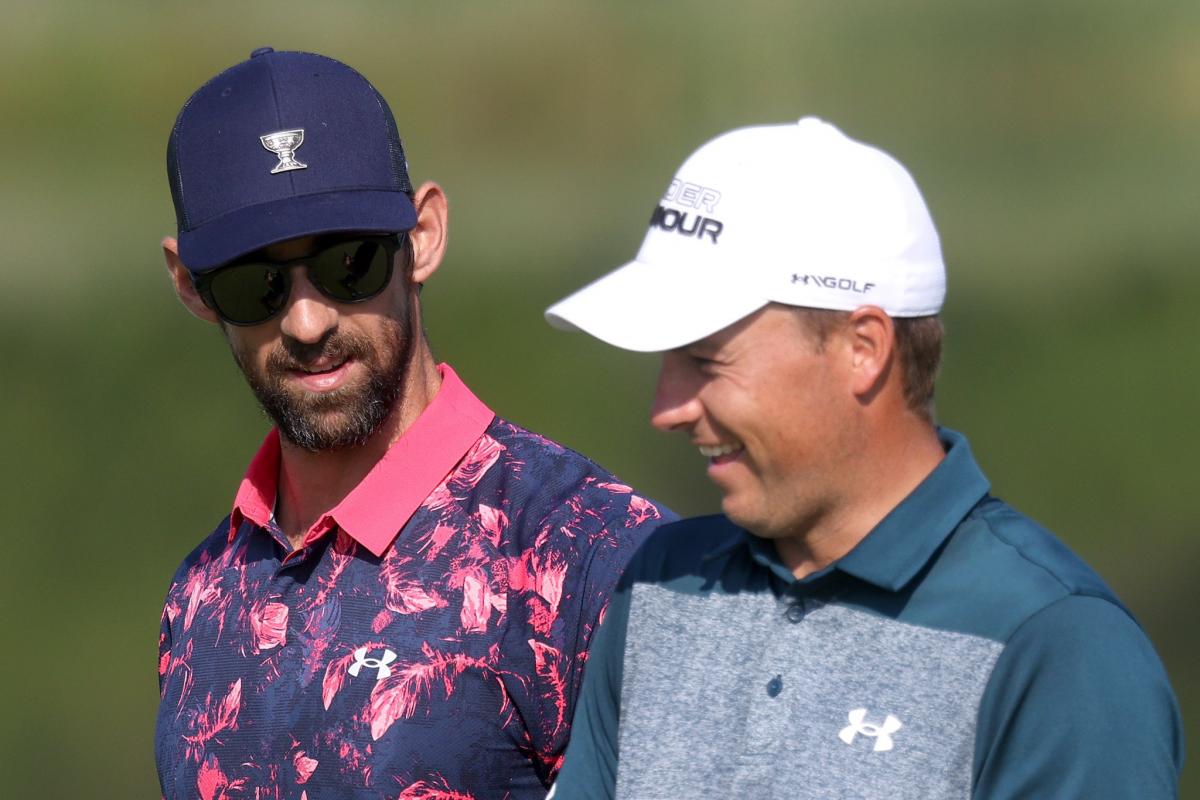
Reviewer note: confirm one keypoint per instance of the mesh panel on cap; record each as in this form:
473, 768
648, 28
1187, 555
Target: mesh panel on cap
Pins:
176, 179
395, 146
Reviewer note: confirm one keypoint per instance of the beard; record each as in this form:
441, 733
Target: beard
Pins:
347, 416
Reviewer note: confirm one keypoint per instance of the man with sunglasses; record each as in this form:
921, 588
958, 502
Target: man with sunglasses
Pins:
401, 600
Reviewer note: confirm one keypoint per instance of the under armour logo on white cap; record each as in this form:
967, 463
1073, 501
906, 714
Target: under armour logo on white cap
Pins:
882, 734
378, 664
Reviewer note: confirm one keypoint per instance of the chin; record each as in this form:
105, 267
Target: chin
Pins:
739, 516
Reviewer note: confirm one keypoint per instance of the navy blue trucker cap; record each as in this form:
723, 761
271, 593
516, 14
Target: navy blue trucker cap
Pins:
280, 146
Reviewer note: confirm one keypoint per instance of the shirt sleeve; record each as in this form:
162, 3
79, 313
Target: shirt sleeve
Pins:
589, 770
556, 593
1078, 706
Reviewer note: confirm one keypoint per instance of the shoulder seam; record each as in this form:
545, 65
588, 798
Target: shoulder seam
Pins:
1089, 595
1068, 590
986, 518
522, 431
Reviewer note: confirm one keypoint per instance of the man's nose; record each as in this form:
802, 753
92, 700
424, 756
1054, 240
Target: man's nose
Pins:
676, 405
309, 315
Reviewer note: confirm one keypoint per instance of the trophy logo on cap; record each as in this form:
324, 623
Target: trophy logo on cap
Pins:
284, 145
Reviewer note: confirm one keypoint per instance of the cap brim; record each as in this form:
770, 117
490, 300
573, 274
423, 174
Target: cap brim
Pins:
245, 230
651, 308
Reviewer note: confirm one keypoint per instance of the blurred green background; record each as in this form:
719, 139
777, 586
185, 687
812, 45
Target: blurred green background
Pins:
1056, 143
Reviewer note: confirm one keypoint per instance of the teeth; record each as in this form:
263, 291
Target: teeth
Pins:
317, 370
715, 450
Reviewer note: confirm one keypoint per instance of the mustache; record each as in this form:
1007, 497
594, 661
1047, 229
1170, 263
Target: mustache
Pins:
333, 346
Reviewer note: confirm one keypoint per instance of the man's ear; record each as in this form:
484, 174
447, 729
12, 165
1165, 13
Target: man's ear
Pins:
183, 283
872, 349
428, 236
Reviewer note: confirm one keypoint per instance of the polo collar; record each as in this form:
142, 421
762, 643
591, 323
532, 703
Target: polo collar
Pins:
903, 542
383, 502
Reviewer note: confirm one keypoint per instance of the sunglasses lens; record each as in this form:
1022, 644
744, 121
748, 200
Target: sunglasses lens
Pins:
352, 271
249, 293
349, 272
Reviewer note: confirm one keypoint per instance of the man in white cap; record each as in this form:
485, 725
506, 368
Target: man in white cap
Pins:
865, 619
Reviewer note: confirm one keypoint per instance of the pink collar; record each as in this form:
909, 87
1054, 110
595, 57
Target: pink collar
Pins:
375, 511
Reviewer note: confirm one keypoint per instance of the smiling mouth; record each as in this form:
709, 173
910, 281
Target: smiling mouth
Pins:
322, 376
319, 370
321, 366
721, 453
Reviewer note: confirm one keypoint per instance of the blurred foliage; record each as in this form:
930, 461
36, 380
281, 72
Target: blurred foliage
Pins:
1055, 143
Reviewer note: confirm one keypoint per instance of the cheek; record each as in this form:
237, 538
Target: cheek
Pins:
793, 420
396, 301
250, 346
385, 321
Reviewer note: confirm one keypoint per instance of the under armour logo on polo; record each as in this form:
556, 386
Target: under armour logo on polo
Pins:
882, 734
378, 664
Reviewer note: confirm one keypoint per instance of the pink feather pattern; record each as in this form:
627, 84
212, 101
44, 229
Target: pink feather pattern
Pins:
212, 783
399, 696
304, 766
405, 593
213, 720
548, 664
438, 789
335, 678
268, 623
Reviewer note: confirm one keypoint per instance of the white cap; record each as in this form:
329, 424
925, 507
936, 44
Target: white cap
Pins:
797, 214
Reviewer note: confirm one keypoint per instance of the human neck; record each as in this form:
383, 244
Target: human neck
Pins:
311, 484
897, 460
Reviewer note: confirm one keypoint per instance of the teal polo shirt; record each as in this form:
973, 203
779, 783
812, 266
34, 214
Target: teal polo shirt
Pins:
960, 650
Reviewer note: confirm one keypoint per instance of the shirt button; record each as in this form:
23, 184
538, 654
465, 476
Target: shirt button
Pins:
795, 612
775, 686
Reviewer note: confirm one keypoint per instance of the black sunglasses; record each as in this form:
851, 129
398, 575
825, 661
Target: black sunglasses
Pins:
252, 290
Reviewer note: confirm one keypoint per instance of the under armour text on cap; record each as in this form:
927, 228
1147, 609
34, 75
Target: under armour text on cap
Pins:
798, 214
283, 145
